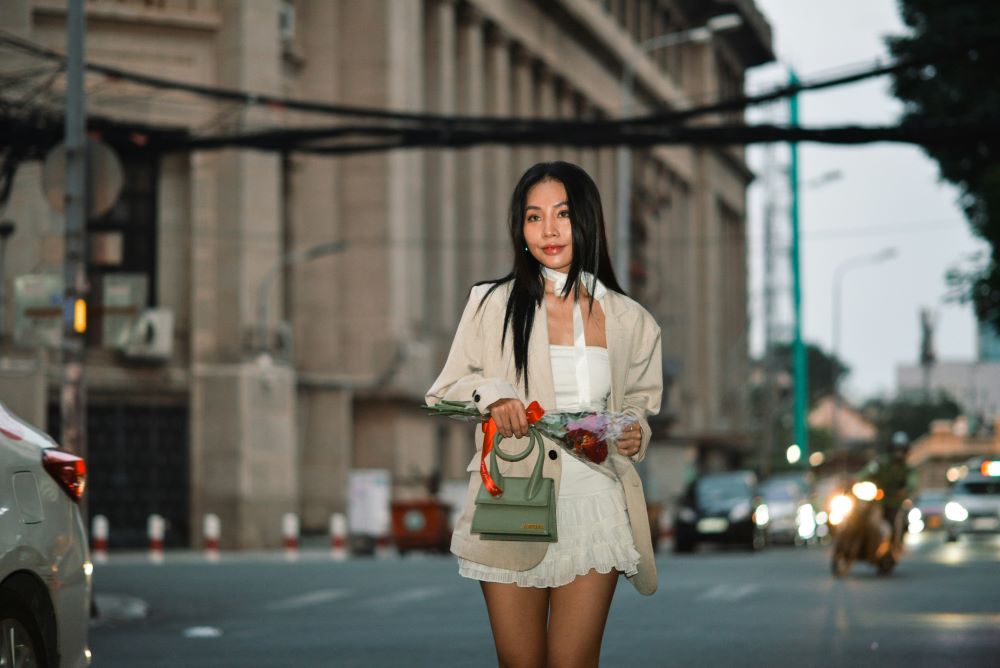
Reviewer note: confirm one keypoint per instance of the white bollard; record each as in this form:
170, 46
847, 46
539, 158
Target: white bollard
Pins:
383, 547
155, 527
338, 536
99, 532
290, 532
211, 531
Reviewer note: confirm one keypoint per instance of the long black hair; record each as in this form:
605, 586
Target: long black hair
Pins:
590, 253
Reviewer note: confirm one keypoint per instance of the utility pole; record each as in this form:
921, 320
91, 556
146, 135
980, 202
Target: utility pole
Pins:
73, 403
770, 390
800, 370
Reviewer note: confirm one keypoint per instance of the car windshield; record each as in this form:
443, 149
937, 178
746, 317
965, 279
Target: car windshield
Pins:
780, 491
722, 487
978, 487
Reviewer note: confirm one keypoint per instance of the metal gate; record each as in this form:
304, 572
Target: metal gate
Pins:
137, 465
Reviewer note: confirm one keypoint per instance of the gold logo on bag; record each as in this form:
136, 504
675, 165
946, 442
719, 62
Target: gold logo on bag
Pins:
532, 526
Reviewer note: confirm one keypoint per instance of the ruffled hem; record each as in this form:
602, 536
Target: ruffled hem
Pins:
594, 534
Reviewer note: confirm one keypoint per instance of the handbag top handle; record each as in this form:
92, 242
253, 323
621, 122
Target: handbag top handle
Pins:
535, 483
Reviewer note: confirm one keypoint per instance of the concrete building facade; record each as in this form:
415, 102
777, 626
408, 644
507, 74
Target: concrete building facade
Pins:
258, 411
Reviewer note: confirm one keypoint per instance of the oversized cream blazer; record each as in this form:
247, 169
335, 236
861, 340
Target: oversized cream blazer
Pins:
477, 370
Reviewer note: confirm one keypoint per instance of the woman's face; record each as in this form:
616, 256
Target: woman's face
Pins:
548, 232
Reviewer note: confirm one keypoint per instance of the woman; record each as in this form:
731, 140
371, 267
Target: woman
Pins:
557, 330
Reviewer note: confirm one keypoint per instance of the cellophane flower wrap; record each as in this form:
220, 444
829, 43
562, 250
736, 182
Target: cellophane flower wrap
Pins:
588, 436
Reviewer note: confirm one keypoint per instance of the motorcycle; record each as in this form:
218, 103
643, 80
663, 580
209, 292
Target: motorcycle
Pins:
864, 533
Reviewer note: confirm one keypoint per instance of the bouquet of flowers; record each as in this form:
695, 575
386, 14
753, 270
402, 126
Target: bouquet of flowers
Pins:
588, 436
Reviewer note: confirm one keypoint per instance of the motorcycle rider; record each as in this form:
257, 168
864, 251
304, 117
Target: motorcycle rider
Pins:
893, 476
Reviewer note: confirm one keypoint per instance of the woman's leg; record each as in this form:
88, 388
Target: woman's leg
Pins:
579, 612
517, 617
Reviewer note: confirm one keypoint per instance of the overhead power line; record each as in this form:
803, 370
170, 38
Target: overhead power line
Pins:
28, 129
876, 69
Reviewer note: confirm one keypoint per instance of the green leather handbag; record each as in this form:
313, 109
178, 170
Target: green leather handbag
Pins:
526, 510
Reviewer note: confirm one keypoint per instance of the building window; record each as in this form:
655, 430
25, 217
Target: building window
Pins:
121, 253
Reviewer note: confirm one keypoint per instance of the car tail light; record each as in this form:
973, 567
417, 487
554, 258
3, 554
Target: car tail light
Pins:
68, 470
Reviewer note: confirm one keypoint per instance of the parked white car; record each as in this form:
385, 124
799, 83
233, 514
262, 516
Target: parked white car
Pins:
45, 568
974, 503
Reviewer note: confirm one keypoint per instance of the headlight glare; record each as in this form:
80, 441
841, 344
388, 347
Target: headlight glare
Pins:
840, 506
865, 491
955, 512
762, 515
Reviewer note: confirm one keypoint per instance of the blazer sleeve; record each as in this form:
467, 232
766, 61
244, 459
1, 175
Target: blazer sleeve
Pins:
644, 380
462, 378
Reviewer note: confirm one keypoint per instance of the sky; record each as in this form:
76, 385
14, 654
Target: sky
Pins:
888, 196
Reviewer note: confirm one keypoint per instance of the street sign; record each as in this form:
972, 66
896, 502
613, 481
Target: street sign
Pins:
104, 178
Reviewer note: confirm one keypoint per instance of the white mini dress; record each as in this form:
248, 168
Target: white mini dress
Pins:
591, 517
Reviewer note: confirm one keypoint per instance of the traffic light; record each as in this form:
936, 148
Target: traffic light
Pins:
80, 316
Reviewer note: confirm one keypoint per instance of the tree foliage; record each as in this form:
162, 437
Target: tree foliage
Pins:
962, 87
911, 415
822, 367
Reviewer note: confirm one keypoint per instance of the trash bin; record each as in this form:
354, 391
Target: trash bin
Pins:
421, 525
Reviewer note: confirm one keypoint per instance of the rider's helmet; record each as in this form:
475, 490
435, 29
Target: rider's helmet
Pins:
899, 446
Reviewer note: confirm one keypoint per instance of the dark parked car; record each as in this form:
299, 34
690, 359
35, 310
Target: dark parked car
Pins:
721, 508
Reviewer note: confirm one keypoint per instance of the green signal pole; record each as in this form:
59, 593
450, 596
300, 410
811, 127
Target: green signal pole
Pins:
799, 368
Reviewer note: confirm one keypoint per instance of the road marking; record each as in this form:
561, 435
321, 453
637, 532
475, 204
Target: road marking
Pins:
202, 632
306, 600
404, 597
945, 620
118, 607
727, 593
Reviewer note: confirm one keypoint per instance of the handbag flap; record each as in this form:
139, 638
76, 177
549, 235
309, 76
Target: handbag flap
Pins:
515, 493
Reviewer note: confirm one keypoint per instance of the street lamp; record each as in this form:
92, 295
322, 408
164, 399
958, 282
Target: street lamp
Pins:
264, 289
624, 157
838, 274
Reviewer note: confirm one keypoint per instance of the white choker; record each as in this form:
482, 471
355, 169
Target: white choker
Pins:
590, 282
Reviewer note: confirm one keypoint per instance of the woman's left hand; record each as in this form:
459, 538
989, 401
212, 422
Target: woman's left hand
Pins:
630, 441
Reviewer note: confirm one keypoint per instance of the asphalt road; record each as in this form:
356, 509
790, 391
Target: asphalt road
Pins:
716, 608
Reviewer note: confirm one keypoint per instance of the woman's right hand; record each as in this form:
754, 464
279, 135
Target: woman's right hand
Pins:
510, 417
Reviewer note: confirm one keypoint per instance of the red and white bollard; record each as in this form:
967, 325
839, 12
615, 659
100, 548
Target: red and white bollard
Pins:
211, 531
290, 533
99, 532
338, 536
155, 527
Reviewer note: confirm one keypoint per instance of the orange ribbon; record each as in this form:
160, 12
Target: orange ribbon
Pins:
534, 412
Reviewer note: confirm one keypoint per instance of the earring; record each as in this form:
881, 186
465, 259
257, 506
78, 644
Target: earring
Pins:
525, 249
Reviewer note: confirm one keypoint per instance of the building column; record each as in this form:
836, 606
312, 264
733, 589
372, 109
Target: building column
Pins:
523, 104
499, 160
243, 436
315, 311
607, 181
444, 298
547, 105
471, 169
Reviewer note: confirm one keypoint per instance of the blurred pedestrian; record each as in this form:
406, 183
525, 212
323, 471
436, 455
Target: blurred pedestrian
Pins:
558, 330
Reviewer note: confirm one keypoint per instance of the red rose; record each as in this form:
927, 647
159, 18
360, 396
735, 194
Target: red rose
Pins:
587, 444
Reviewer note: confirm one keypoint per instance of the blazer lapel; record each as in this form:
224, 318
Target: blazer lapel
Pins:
616, 333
